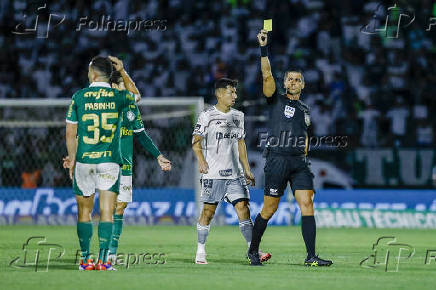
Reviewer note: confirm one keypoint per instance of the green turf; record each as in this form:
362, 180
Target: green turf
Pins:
227, 267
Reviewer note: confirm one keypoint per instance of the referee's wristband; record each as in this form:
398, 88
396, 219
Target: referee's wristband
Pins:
264, 51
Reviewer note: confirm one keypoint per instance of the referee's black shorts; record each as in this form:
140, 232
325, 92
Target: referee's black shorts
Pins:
279, 169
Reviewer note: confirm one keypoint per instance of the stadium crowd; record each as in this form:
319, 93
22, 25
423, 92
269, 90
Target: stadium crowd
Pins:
375, 89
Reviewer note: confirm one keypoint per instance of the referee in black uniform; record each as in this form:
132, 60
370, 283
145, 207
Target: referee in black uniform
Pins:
286, 157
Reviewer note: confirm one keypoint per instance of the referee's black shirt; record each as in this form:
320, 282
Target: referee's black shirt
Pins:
288, 124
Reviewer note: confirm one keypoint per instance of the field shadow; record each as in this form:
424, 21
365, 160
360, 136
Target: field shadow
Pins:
215, 261
181, 260
68, 261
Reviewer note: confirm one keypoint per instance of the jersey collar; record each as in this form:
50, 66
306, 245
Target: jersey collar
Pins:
100, 84
285, 97
221, 111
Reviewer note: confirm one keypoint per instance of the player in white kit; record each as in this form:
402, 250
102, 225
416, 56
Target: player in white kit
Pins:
218, 144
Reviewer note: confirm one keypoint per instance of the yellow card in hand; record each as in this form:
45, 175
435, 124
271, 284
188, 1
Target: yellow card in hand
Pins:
267, 24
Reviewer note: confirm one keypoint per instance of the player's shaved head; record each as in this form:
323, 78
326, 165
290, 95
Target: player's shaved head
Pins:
102, 66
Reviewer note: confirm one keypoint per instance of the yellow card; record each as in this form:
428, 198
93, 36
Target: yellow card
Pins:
267, 24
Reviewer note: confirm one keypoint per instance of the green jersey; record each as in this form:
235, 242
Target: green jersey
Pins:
97, 110
131, 123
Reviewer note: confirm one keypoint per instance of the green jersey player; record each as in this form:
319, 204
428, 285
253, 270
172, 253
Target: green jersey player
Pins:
94, 155
131, 126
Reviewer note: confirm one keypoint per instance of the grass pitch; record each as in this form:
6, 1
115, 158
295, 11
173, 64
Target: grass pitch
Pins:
228, 268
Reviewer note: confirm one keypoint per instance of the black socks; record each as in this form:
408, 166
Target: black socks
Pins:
308, 229
258, 230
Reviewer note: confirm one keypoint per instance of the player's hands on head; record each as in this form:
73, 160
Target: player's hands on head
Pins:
164, 163
69, 163
250, 178
262, 37
117, 63
203, 167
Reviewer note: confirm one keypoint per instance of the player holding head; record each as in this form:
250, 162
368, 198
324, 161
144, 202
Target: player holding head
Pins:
94, 159
219, 146
287, 163
131, 126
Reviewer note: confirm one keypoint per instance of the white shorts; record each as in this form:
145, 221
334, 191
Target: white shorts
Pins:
125, 189
231, 190
90, 177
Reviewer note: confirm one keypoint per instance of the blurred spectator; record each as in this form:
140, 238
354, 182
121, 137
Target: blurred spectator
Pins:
398, 116
370, 117
350, 76
323, 116
424, 133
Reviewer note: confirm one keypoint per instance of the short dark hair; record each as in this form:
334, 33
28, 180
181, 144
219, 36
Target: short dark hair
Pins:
116, 78
103, 65
224, 82
294, 70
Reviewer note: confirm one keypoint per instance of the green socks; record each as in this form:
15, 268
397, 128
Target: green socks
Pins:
116, 233
104, 238
84, 232
108, 234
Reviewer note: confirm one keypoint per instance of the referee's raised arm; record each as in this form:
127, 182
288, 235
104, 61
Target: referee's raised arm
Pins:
269, 85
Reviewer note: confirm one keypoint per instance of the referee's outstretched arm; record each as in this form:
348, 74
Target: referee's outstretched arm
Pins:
269, 85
